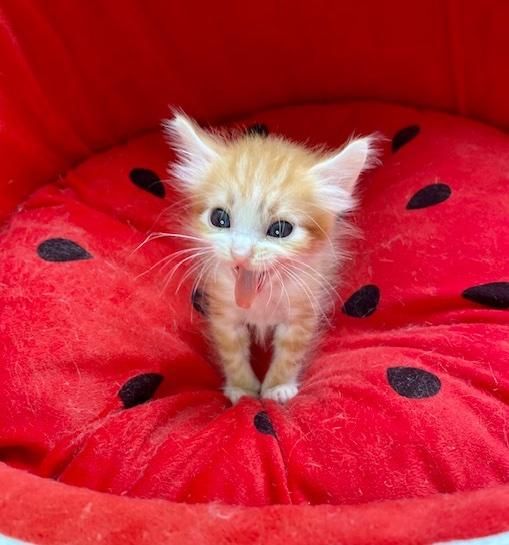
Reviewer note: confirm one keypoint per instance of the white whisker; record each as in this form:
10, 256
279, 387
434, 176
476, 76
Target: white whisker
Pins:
265, 271
206, 266
309, 294
193, 269
283, 290
158, 235
325, 280
166, 260
180, 263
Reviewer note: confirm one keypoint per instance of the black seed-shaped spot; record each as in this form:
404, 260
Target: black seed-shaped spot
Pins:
148, 180
139, 389
494, 294
61, 249
258, 128
404, 136
200, 302
413, 383
429, 196
363, 302
263, 424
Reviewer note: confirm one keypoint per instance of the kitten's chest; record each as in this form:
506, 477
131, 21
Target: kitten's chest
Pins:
265, 313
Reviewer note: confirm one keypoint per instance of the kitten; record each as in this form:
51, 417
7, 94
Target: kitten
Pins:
265, 220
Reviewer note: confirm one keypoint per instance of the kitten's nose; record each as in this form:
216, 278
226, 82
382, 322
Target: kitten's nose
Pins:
241, 256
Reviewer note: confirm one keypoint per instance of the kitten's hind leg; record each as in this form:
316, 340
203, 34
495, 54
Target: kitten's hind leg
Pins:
291, 344
233, 347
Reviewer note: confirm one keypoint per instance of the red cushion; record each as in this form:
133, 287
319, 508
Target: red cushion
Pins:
77, 77
108, 384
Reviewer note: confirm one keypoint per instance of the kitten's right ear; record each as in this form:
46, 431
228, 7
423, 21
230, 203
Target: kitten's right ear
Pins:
195, 149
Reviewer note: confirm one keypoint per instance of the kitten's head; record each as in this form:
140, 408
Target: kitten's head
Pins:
258, 202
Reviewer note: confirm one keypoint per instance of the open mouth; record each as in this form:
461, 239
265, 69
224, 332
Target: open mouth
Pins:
260, 280
247, 285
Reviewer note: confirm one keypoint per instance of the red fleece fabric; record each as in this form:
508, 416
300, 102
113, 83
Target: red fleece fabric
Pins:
79, 516
107, 381
119, 392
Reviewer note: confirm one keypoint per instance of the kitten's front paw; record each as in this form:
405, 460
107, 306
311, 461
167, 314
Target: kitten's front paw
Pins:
234, 393
281, 393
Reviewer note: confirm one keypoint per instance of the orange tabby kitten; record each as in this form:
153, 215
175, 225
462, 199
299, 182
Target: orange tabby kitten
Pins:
265, 218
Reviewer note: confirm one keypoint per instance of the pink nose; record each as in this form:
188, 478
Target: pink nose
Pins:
241, 258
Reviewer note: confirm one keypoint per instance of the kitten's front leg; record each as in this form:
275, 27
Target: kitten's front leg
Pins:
232, 342
292, 342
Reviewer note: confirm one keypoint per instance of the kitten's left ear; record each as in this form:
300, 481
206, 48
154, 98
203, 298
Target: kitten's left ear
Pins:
196, 149
338, 174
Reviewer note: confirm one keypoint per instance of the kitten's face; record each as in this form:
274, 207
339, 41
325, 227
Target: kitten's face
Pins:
259, 203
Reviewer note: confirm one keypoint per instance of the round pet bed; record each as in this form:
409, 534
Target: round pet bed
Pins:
113, 426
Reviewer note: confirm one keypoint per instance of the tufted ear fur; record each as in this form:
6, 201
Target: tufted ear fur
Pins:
196, 149
337, 175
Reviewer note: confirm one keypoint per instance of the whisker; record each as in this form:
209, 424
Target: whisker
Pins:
166, 260
179, 264
158, 235
177, 235
330, 290
331, 286
208, 263
161, 261
197, 249
170, 275
203, 276
283, 290
149, 238
265, 271
317, 273
294, 277
193, 268
309, 294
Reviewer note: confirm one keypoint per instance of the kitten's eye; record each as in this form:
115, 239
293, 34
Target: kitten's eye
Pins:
280, 229
220, 218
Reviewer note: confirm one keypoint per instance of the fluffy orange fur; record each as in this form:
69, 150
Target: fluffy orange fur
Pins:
265, 223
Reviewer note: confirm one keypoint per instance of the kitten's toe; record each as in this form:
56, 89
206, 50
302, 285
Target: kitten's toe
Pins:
234, 393
281, 393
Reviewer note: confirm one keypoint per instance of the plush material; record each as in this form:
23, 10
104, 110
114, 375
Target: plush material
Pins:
108, 383
51, 513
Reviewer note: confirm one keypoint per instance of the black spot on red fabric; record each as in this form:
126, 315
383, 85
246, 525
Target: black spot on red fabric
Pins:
148, 180
258, 128
494, 294
139, 389
61, 249
363, 302
404, 136
429, 196
263, 424
413, 383
200, 302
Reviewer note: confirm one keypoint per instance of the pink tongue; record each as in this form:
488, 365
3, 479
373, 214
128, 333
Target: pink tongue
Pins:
245, 288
